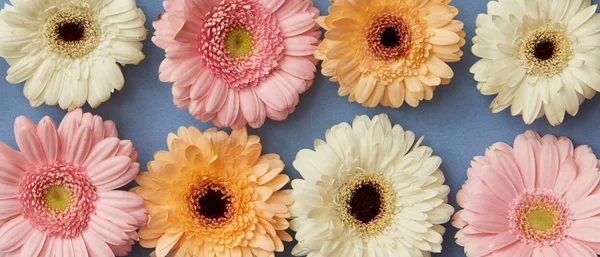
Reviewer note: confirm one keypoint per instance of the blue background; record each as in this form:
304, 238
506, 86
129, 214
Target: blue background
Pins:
457, 123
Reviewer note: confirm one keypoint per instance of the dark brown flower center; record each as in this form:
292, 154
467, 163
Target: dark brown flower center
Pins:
390, 37
213, 204
72, 31
365, 203
544, 50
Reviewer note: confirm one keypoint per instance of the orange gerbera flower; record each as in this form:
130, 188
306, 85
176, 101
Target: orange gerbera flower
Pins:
390, 51
213, 194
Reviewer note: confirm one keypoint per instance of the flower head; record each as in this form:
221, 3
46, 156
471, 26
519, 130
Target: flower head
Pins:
67, 51
538, 58
390, 51
369, 190
237, 62
213, 194
538, 197
58, 196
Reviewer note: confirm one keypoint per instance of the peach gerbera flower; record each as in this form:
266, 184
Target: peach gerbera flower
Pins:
390, 51
213, 194
536, 198
57, 195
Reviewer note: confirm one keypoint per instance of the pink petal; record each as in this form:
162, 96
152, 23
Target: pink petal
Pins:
583, 186
49, 248
506, 163
287, 89
116, 216
120, 250
296, 24
28, 142
549, 252
102, 151
502, 240
121, 199
572, 247
586, 207
64, 247
566, 176
272, 5
299, 67
106, 231
525, 159
94, 246
586, 230
9, 208
122, 180
67, 128
473, 243
492, 224
486, 204
301, 46
565, 148
499, 184
202, 85
97, 129
272, 95
216, 96
110, 129
108, 170
228, 114
548, 164
79, 247
48, 135
80, 145
276, 115
34, 244
126, 149
249, 104
585, 158
10, 156
9, 174
13, 234
8, 191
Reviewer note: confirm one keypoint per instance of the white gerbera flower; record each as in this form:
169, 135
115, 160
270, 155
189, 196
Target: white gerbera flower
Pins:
67, 50
540, 56
369, 192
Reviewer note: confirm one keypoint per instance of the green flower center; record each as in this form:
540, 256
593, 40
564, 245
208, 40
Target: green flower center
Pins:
58, 198
540, 220
238, 42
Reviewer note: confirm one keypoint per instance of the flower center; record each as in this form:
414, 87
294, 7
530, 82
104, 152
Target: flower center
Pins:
211, 204
365, 203
57, 199
388, 38
545, 51
539, 218
238, 42
73, 32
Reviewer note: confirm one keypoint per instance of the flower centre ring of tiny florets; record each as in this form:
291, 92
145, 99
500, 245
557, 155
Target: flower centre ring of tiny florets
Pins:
388, 38
366, 203
211, 204
72, 32
540, 219
57, 199
241, 39
545, 51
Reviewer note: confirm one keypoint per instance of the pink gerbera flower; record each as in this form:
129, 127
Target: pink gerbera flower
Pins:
236, 62
57, 194
539, 198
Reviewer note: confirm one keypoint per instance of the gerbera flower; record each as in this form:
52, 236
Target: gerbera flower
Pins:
238, 61
369, 190
213, 194
539, 57
57, 195
536, 198
67, 51
390, 51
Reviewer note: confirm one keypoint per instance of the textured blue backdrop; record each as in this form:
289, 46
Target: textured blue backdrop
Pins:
457, 123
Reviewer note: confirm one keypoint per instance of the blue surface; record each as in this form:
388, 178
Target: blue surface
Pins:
457, 123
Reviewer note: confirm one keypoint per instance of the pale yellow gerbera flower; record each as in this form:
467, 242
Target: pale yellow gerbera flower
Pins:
390, 51
213, 194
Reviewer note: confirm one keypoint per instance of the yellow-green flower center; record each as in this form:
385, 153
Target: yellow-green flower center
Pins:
238, 42
58, 198
540, 220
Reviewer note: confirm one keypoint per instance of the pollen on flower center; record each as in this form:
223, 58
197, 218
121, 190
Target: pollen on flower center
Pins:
58, 197
238, 42
539, 218
366, 203
545, 51
388, 37
211, 204
72, 32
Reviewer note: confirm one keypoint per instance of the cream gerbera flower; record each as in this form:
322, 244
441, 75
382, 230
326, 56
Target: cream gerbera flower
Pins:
369, 191
390, 51
67, 50
539, 57
213, 194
